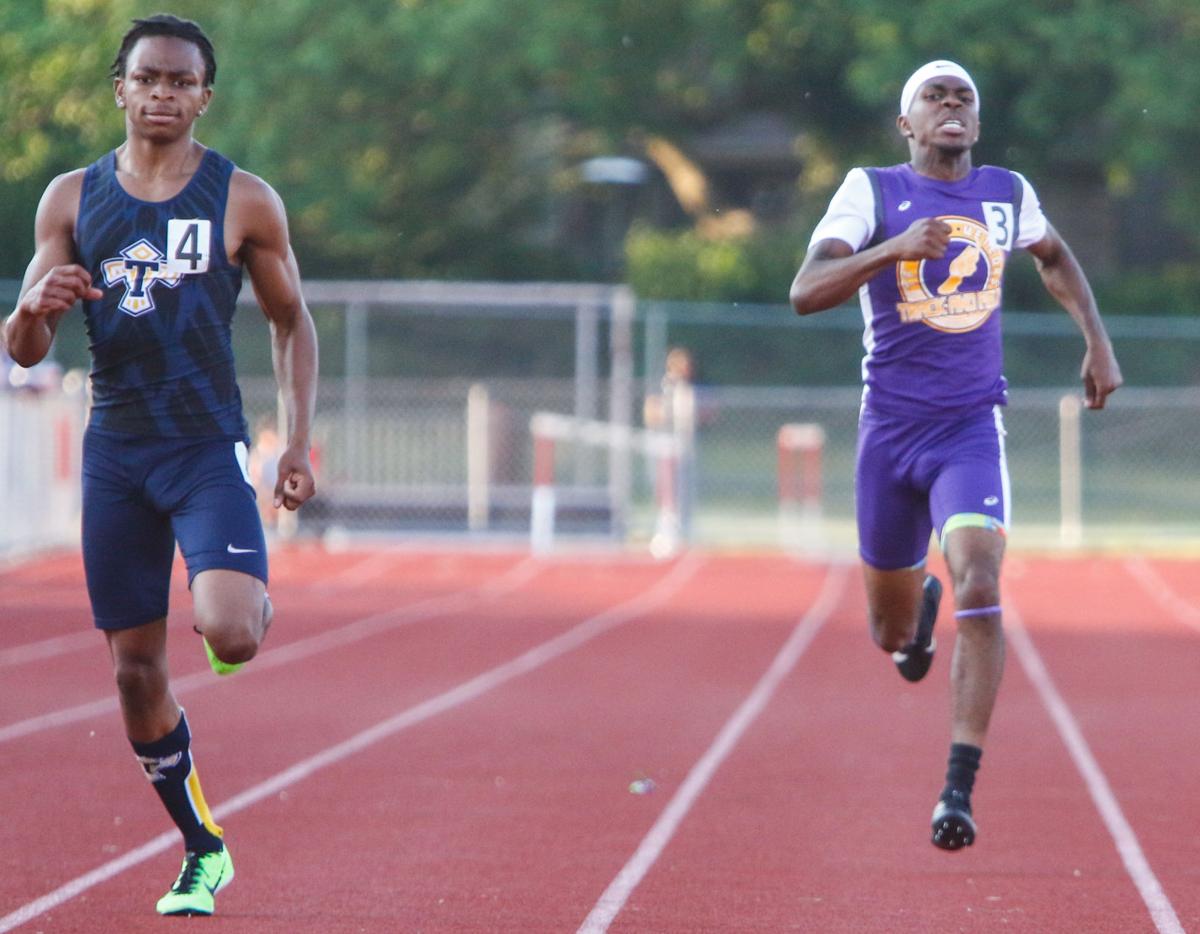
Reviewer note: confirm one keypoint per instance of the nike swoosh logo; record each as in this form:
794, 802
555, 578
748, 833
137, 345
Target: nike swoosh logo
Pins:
240, 551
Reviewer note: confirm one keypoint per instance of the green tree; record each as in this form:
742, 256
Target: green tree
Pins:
442, 137
55, 105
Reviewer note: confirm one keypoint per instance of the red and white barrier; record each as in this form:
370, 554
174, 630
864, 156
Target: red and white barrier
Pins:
549, 429
801, 452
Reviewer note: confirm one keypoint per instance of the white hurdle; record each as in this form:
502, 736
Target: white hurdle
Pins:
801, 450
550, 428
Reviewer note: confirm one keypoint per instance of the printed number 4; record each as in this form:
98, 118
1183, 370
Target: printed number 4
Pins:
189, 244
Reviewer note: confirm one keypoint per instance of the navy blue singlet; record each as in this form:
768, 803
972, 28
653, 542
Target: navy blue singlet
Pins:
162, 355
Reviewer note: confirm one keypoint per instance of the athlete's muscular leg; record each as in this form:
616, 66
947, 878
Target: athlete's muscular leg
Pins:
139, 659
974, 556
232, 612
893, 605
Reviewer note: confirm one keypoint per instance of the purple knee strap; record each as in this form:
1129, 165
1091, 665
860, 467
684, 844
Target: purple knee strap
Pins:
977, 611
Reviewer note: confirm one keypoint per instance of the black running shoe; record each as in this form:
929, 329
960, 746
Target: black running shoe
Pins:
914, 659
953, 827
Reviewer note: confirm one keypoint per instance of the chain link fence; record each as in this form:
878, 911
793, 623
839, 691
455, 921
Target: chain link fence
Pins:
400, 457
428, 391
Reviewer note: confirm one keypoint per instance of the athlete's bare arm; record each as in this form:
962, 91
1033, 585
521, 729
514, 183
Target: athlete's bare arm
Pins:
53, 280
832, 272
258, 223
1065, 280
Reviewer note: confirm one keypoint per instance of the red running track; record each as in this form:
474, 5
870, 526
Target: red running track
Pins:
445, 741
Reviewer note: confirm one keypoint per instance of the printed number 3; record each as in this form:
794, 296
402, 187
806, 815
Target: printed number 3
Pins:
189, 244
999, 220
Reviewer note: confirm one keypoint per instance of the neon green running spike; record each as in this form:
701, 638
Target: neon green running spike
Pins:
220, 667
203, 876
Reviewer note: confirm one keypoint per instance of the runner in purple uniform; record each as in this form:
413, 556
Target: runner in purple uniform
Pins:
924, 245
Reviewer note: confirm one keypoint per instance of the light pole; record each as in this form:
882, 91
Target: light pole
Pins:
617, 177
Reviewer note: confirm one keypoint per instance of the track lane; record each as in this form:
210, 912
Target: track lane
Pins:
307, 621
93, 747
346, 695
820, 822
510, 814
614, 898
1128, 668
512, 811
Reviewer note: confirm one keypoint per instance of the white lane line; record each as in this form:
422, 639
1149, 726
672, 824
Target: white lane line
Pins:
356, 631
1136, 864
365, 570
65, 893
615, 896
1162, 593
46, 566
644, 603
358, 574
51, 648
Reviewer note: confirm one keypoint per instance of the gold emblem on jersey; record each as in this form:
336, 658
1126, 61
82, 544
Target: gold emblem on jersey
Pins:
943, 306
140, 267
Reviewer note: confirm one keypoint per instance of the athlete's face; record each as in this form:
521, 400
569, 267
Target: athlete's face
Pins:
162, 91
944, 115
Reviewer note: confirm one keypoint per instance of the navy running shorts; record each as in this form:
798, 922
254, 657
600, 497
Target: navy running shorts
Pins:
142, 495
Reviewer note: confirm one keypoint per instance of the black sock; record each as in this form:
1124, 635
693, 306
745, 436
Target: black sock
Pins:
960, 773
168, 764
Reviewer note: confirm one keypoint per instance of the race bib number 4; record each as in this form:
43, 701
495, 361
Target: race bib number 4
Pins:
189, 245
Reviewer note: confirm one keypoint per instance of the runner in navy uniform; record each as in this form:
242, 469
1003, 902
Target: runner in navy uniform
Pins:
153, 238
925, 244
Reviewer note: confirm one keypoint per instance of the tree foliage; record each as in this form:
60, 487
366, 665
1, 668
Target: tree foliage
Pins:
440, 137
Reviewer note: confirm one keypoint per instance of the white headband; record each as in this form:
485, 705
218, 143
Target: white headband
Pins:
933, 70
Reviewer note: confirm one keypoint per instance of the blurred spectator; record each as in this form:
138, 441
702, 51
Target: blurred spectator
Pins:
673, 410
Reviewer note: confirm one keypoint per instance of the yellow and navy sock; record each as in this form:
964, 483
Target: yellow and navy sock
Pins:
168, 765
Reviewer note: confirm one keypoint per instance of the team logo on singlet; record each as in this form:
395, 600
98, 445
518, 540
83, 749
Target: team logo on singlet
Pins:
140, 267
960, 291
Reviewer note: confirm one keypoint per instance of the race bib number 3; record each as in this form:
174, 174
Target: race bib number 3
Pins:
189, 245
999, 217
